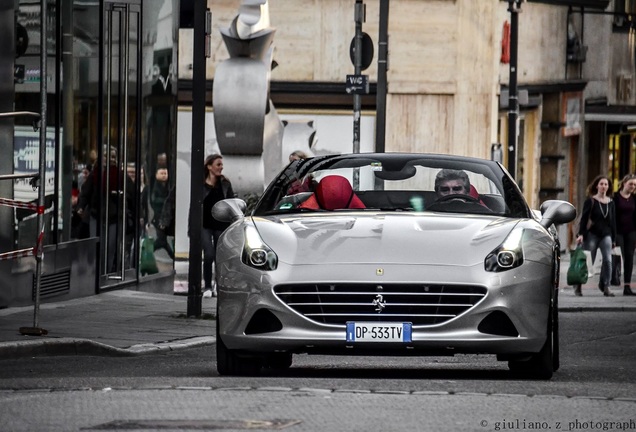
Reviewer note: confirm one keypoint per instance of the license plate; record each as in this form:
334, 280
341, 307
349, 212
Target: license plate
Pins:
378, 332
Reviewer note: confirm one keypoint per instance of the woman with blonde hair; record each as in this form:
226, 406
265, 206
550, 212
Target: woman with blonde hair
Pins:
625, 203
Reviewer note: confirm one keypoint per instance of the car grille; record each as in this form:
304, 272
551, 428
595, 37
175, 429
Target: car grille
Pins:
420, 304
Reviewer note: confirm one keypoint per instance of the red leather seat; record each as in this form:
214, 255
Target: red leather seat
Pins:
473, 193
332, 193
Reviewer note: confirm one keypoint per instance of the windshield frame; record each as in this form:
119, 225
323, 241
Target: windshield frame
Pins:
391, 166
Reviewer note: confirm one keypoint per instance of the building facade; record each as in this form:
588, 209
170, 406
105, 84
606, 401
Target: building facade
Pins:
447, 81
120, 94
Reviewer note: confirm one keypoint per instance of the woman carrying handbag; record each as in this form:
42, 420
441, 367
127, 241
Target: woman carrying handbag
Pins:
597, 229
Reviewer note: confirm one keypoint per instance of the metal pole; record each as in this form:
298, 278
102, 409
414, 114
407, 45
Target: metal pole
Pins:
514, 6
65, 66
357, 64
196, 160
383, 66
359, 13
39, 255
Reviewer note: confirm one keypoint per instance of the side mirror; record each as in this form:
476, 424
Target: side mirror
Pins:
229, 210
556, 212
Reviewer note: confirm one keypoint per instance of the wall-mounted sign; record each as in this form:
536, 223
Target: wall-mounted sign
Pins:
357, 84
26, 160
571, 109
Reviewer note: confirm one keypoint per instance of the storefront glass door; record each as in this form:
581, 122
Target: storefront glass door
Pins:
121, 65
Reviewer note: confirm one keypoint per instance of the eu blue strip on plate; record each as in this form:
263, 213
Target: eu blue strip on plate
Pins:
407, 332
351, 332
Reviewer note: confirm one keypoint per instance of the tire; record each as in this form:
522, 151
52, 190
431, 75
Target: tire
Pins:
229, 362
280, 361
556, 351
539, 365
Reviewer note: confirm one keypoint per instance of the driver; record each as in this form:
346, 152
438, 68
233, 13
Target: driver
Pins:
451, 182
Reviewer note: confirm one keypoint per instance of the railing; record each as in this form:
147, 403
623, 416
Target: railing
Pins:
24, 205
39, 208
19, 204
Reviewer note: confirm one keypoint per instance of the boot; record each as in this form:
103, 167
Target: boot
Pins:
627, 291
601, 287
607, 292
577, 291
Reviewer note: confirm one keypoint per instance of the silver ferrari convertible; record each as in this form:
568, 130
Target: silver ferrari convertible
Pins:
389, 254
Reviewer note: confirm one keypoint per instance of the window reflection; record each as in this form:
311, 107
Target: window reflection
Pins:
151, 121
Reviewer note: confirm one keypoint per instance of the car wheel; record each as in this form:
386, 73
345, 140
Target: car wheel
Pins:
279, 361
556, 354
541, 364
228, 362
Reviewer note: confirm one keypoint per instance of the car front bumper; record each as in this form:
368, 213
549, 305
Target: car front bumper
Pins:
522, 296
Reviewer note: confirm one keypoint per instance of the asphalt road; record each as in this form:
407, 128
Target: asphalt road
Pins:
182, 391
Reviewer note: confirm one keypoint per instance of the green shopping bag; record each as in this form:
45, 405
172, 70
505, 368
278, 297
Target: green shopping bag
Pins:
577, 272
147, 261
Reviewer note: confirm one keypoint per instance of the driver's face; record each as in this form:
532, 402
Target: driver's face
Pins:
451, 187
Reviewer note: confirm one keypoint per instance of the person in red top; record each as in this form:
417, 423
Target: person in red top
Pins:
333, 193
111, 201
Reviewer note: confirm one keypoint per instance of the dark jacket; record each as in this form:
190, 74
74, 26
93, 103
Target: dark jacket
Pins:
227, 191
597, 218
159, 195
225, 185
166, 218
90, 197
625, 214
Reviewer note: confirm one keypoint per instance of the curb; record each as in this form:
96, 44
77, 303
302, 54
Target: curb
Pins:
597, 309
87, 347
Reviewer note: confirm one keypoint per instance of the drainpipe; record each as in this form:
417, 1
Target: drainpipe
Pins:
383, 67
514, 7
359, 13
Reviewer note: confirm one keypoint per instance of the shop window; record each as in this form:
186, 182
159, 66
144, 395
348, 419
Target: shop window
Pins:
624, 11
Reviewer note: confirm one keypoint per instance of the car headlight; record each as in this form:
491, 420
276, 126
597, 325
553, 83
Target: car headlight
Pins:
508, 255
256, 253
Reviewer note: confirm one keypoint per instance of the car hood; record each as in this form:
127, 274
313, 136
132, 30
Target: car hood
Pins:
380, 238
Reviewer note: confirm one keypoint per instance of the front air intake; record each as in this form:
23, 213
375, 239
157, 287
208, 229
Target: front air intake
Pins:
263, 321
420, 304
498, 323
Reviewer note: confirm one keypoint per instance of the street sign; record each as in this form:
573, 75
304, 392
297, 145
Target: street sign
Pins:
19, 73
357, 84
366, 51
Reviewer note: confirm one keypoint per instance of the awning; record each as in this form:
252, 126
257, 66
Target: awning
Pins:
595, 4
610, 117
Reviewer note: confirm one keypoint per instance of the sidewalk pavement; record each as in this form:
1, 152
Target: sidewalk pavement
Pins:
127, 322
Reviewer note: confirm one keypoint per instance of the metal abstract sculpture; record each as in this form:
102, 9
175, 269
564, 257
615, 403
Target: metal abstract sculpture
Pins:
245, 119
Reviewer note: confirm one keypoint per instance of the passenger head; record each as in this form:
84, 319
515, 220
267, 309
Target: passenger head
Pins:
450, 181
297, 155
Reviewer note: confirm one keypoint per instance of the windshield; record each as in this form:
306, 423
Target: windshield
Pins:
394, 182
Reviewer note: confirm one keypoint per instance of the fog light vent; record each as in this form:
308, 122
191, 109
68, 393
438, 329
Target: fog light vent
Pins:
498, 323
263, 321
